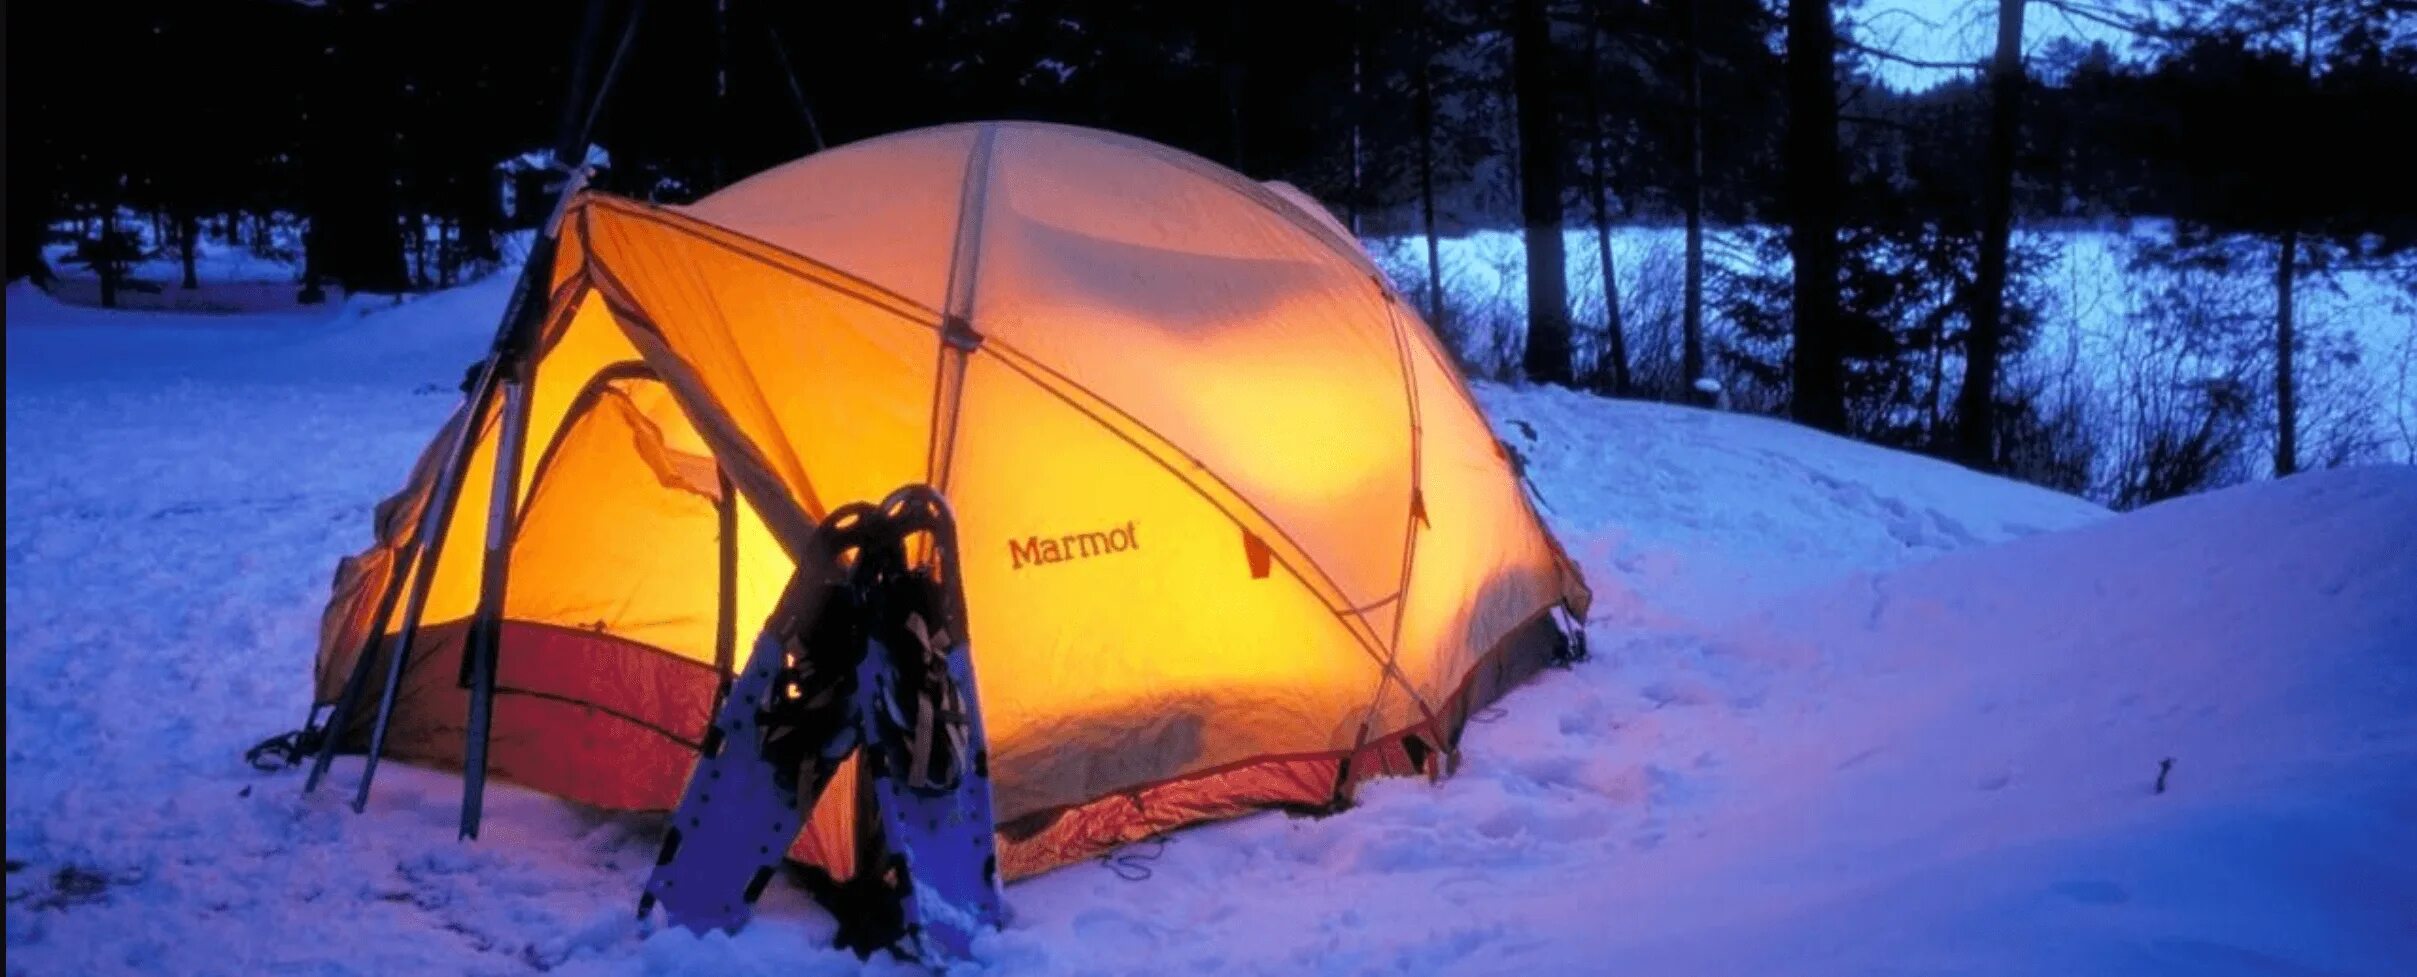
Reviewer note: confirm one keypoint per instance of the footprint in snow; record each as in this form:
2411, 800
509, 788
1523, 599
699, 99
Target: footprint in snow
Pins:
2205, 957
1119, 933
1679, 691
2091, 892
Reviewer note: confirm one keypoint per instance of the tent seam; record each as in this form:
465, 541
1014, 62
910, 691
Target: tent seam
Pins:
412, 662
581, 402
1016, 359
563, 311
1460, 384
1366, 641
1255, 192
783, 259
1460, 691
964, 271
793, 525
504, 690
1401, 349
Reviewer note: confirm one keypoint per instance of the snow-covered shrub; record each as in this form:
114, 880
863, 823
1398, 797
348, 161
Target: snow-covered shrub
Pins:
2188, 376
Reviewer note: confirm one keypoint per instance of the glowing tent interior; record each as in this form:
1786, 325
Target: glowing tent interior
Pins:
1236, 535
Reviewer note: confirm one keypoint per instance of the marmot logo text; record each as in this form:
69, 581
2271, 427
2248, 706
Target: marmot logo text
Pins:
1036, 550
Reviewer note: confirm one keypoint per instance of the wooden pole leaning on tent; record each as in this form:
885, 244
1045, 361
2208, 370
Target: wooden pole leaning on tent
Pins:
523, 314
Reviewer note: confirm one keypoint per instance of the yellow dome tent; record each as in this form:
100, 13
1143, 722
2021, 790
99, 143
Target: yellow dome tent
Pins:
1234, 534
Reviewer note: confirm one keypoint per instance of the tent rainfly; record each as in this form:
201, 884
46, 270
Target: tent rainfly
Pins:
1235, 535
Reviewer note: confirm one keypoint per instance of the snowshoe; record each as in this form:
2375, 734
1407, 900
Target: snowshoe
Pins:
781, 733
926, 762
865, 655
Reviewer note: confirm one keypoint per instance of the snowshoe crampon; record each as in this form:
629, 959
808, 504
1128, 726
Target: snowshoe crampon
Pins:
866, 654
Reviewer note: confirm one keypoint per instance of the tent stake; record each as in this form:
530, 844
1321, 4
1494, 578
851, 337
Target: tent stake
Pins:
486, 630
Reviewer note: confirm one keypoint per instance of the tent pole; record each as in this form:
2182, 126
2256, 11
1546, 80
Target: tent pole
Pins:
419, 561
526, 304
359, 680
726, 634
523, 314
437, 514
797, 92
486, 630
511, 371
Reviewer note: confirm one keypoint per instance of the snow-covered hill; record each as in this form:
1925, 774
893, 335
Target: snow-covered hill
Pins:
1850, 712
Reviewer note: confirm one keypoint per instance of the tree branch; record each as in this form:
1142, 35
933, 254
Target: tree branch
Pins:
1892, 56
1926, 22
2106, 17
1853, 96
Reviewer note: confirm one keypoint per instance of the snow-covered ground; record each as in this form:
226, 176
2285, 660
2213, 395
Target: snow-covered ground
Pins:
1850, 712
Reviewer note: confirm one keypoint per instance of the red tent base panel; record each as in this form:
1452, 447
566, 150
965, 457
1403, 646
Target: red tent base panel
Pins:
1044, 840
547, 732
548, 735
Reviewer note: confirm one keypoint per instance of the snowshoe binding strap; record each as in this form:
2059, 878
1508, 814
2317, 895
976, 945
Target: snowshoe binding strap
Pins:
806, 727
287, 749
923, 711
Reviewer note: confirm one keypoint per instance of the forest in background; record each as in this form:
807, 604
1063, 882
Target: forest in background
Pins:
1861, 257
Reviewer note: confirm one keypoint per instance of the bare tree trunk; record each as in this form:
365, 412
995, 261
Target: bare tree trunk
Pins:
1615, 335
2286, 282
1984, 342
419, 248
107, 265
1547, 356
1426, 166
448, 252
1691, 358
2286, 343
188, 240
1938, 381
1818, 397
314, 275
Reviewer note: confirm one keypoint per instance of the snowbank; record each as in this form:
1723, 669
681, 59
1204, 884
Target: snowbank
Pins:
1851, 712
